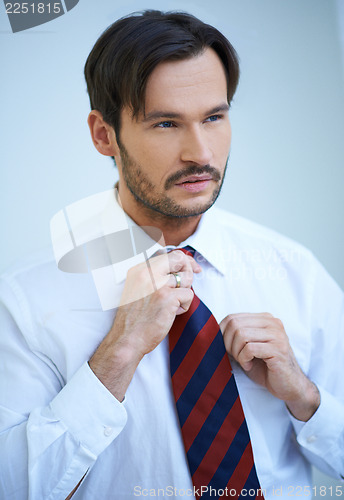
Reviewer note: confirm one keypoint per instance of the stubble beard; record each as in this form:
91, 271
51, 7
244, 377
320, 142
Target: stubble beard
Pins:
154, 202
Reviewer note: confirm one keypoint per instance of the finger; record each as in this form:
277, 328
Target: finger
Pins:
185, 271
235, 344
179, 261
185, 297
161, 266
186, 279
173, 262
234, 322
256, 350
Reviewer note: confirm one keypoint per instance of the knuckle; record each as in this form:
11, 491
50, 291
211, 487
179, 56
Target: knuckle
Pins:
249, 349
278, 323
178, 255
189, 293
176, 260
190, 260
233, 324
162, 293
134, 272
239, 332
188, 278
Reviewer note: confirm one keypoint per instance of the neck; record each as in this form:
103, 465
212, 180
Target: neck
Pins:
174, 229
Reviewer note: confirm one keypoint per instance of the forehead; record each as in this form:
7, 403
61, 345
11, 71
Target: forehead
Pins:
187, 85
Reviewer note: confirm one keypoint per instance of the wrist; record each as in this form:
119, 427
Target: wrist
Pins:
114, 365
306, 404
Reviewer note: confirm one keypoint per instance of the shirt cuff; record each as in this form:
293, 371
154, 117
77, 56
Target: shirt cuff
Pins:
89, 411
323, 433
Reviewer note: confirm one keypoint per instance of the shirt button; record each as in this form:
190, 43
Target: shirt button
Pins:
312, 438
108, 431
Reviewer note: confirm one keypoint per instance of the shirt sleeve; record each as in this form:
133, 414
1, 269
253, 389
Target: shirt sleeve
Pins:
322, 437
50, 434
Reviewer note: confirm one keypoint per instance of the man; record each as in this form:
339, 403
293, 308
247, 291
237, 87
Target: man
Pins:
88, 408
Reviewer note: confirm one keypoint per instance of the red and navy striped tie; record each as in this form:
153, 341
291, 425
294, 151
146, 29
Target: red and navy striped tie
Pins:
214, 430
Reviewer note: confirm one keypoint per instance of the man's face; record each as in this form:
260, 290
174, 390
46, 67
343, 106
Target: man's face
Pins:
173, 158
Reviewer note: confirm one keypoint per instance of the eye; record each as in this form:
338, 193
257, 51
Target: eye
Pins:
165, 124
213, 118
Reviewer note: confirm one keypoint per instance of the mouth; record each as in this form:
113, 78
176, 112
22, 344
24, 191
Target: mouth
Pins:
195, 183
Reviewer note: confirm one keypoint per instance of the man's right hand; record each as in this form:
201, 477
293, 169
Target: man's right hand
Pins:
145, 319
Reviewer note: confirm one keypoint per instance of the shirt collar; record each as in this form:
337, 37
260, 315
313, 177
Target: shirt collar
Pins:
101, 219
206, 240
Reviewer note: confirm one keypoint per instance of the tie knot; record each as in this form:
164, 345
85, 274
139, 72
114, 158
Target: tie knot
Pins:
188, 250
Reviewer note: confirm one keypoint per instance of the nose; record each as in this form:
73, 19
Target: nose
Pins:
195, 147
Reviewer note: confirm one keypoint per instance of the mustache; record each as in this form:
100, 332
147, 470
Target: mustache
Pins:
192, 170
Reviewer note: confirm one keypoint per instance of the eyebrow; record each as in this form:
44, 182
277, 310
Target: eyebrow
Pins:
160, 114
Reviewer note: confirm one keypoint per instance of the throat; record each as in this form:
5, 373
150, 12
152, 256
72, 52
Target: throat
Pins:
174, 221
174, 229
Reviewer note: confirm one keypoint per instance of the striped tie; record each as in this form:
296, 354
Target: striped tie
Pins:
214, 430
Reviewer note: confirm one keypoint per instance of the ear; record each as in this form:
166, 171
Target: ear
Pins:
103, 135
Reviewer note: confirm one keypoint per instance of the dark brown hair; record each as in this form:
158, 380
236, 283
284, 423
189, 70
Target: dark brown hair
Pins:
121, 61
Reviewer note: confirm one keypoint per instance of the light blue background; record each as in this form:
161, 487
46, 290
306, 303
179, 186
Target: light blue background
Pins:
286, 167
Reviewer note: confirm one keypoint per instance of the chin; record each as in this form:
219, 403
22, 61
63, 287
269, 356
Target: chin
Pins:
200, 203
191, 210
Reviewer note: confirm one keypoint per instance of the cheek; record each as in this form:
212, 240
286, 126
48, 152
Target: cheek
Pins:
221, 147
158, 159
226, 140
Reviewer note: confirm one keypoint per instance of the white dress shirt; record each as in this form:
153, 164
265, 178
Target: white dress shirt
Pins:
58, 422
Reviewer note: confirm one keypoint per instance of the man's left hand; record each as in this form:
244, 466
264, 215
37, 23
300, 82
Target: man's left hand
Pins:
259, 343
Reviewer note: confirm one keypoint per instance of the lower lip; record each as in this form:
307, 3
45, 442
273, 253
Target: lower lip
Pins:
194, 187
